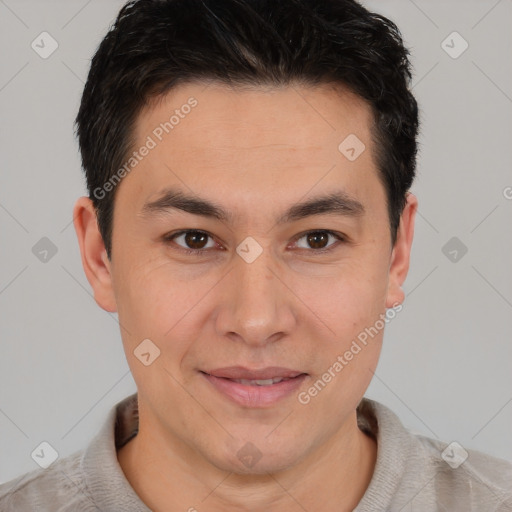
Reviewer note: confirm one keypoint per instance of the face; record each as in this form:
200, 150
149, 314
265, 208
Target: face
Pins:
273, 271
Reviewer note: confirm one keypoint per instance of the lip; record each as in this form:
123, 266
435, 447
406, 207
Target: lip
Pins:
240, 372
255, 396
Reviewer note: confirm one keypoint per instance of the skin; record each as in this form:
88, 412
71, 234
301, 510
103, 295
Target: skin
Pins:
255, 152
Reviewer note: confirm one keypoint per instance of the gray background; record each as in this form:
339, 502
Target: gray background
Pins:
445, 366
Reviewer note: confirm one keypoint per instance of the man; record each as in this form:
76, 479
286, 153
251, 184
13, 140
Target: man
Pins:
249, 219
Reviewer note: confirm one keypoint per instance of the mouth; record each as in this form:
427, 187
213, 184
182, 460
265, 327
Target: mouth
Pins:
256, 382
242, 373
255, 388
261, 382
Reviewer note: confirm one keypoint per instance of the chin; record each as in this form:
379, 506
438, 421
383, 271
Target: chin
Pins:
261, 468
257, 458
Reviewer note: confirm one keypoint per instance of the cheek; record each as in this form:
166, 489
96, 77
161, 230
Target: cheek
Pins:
350, 298
149, 303
354, 312
354, 338
155, 301
152, 305
351, 308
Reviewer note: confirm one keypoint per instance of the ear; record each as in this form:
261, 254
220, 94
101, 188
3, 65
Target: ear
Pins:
401, 253
96, 264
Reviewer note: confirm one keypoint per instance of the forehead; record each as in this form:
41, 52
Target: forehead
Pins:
252, 140
288, 115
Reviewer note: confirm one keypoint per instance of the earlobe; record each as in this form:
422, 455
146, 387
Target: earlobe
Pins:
95, 262
400, 256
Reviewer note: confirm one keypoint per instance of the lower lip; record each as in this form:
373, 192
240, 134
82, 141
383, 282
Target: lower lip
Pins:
255, 396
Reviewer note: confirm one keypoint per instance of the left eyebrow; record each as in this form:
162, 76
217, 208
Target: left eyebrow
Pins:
337, 203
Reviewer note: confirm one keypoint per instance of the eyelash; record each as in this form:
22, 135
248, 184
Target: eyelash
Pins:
200, 252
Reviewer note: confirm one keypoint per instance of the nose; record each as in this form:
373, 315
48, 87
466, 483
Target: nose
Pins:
258, 307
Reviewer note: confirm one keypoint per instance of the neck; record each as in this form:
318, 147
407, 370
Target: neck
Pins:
333, 476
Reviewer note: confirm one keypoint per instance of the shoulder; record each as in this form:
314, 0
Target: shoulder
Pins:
413, 470
87, 480
461, 475
59, 488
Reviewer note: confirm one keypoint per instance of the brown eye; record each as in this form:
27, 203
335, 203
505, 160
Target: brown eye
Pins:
318, 240
191, 240
195, 239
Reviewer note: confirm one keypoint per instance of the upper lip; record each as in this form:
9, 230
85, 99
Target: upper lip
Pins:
239, 372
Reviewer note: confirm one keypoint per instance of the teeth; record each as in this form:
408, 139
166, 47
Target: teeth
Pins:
261, 382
